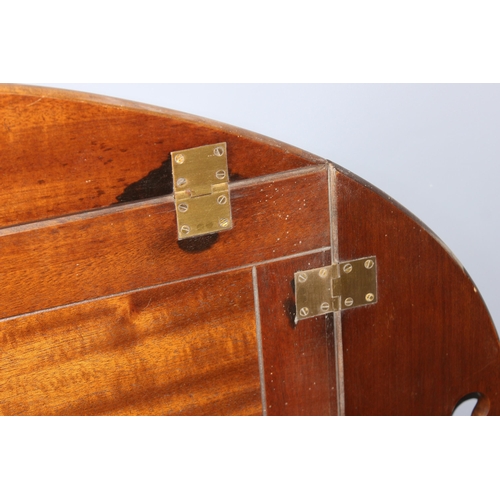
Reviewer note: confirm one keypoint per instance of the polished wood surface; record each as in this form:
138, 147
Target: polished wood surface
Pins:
430, 340
66, 152
111, 251
133, 354
299, 365
104, 312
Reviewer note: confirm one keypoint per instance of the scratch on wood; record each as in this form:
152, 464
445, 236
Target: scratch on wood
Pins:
34, 102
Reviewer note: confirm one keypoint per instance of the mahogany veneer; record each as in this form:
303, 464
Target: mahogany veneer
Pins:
104, 312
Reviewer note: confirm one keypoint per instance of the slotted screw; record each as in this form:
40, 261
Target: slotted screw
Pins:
325, 307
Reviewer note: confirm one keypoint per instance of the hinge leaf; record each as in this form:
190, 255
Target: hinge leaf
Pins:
201, 190
335, 288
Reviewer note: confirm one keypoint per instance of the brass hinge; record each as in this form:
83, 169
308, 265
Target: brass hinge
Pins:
336, 287
201, 190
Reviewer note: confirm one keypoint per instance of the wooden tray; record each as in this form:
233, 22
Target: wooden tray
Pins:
105, 311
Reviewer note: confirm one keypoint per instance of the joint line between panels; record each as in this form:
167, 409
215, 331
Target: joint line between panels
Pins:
337, 316
159, 285
258, 330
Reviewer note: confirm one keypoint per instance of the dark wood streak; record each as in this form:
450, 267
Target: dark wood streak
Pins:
66, 152
198, 244
158, 182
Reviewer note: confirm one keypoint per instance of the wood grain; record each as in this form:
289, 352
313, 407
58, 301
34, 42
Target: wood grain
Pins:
299, 362
135, 322
104, 253
429, 340
65, 152
181, 349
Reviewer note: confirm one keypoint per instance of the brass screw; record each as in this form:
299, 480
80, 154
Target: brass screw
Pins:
369, 264
220, 174
181, 182
183, 207
304, 312
179, 159
185, 230
370, 297
348, 302
224, 222
222, 200
347, 268
218, 151
323, 273
302, 278
325, 307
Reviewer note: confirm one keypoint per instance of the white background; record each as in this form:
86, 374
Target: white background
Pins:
438, 158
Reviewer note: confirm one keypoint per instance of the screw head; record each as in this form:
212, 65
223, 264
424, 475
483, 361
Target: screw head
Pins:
369, 264
302, 278
179, 159
222, 200
304, 312
224, 222
369, 297
220, 174
347, 268
325, 307
183, 207
181, 182
323, 273
349, 302
185, 230
218, 151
